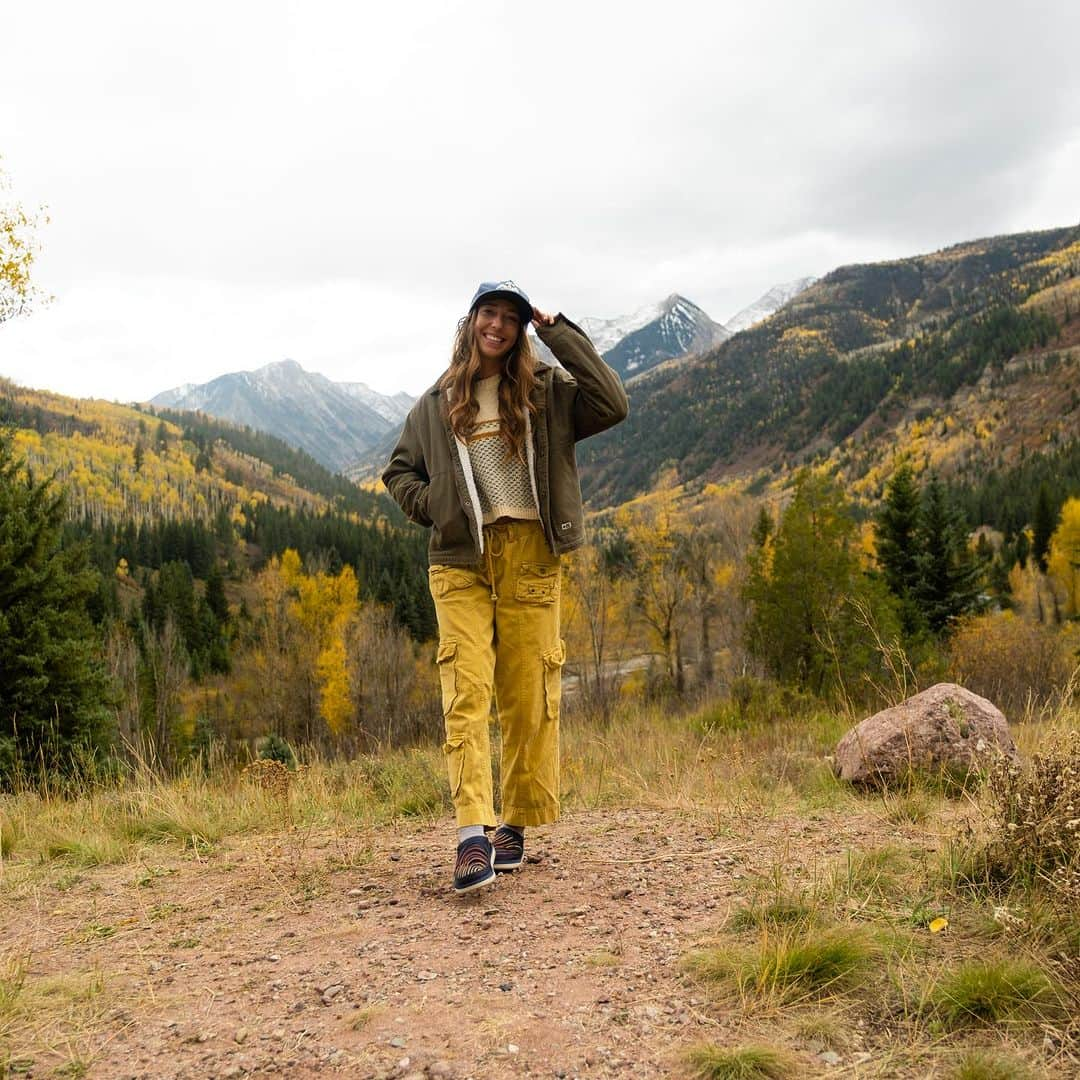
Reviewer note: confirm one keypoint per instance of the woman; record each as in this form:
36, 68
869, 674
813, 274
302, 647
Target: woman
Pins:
486, 460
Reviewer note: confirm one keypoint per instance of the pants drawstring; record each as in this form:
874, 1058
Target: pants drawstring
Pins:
491, 572
496, 537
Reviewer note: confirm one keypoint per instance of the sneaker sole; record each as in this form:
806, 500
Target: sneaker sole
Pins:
505, 867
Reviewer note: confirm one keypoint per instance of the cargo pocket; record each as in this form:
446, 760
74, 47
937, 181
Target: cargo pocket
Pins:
454, 749
553, 659
446, 658
443, 580
537, 583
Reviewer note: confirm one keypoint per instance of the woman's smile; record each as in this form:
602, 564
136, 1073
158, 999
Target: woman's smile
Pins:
498, 324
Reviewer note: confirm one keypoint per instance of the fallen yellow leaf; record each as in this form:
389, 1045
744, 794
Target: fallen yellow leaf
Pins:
937, 925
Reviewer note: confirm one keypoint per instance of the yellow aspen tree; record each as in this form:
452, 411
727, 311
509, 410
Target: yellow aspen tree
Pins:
335, 699
325, 607
1063, 562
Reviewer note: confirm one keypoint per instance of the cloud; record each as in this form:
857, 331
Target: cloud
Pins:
231, 184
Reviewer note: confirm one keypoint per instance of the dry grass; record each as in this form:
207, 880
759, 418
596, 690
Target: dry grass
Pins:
741, 1063
853, 935
789, 966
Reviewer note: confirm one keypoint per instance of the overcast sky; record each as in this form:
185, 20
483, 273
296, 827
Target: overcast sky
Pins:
234, 183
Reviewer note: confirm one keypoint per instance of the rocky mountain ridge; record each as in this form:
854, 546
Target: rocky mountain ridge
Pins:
337, 423
853, 365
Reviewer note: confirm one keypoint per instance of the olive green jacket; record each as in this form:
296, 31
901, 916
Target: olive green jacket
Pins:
430, 478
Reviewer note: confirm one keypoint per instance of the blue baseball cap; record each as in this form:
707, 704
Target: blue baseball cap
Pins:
504, 290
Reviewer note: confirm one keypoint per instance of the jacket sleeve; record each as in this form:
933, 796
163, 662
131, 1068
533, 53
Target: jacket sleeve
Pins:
406, 476
601, 401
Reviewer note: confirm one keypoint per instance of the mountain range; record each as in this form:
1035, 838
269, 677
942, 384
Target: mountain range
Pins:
351, 428
965, 361
337, 423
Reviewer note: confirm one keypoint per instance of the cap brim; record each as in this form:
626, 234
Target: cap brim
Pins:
524, 308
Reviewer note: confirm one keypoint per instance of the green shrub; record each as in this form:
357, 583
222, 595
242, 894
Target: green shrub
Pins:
274, 748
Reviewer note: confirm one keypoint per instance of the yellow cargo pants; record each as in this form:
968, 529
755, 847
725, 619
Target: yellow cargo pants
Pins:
499, 634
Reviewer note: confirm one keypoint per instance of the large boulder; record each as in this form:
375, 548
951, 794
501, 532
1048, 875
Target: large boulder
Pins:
945, 730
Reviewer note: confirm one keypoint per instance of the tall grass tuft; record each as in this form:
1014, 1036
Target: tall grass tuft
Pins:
992, 993
989, 1065
789, 965
710, 1062
777, 911
10, 835
12, 979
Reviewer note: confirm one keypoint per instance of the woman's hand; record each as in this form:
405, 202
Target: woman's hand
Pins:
541, 318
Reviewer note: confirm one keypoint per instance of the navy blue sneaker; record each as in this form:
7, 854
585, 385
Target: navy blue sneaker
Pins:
475, 864
509, 847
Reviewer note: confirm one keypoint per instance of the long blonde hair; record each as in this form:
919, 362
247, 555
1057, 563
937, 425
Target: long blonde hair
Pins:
515, 386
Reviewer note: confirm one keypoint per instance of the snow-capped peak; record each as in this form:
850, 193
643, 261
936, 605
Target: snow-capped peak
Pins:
766, 305
605, 334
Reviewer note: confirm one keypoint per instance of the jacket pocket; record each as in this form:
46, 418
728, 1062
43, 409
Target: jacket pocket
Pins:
537, 583
553, 659
446, 658
448, 519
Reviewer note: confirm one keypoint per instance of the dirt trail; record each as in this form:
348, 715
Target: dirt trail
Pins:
333, 954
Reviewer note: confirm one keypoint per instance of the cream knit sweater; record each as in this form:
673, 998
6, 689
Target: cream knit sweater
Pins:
502, 483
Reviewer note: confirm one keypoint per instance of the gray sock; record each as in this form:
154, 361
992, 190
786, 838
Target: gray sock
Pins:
466, 832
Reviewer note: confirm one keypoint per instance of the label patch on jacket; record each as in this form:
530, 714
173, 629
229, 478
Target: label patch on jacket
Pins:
566, 525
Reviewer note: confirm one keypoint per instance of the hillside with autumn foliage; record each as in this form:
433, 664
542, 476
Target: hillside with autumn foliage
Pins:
965, 359
895, 451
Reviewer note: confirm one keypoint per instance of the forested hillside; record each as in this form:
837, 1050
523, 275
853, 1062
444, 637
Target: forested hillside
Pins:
223, 572
856, 363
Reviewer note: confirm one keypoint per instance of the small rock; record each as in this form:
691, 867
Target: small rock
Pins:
426, 976
155, 967
241, 1035
622, 894
231, 1071
355, 892
512, 1048
398, 1042
395, 857
331, 992
440, 1070
273, 957
297, 1007
830, 1057
506, 987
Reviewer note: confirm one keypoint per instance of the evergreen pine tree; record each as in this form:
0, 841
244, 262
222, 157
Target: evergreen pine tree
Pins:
1043, 526
763, 528
897, 536
948, 584
53, 689
215, 595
